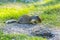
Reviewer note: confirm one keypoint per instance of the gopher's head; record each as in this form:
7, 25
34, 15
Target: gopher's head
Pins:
35, 19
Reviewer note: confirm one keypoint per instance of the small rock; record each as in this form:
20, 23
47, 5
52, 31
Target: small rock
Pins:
43, 32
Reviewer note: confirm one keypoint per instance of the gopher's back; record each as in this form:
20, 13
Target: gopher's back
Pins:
24, 19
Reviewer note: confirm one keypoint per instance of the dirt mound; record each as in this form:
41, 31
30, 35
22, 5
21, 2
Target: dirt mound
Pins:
30, 28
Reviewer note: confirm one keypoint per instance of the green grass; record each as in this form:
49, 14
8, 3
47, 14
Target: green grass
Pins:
14, 12
50, 14
18, 37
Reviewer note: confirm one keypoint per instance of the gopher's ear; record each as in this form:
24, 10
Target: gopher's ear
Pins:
40, 20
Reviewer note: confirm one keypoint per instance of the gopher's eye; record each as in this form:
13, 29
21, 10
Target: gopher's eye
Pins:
34, 21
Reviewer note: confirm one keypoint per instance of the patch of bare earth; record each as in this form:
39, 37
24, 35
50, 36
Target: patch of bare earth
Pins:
29, 28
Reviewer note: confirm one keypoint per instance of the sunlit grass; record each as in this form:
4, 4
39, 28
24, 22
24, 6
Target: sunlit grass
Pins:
56, 6
14, 12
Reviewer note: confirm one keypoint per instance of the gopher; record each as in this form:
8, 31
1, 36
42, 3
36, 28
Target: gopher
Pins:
26, 19
29, 19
